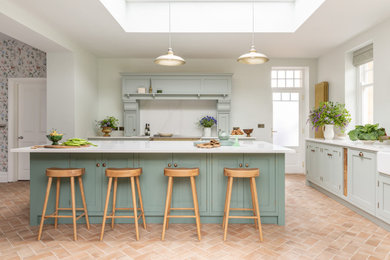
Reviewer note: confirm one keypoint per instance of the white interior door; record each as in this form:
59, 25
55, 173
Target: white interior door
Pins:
288, 122
31, 123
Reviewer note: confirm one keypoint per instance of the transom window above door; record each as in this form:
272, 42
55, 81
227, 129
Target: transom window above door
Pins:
286, 78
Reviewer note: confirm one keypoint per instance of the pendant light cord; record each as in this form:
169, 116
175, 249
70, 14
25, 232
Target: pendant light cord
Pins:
253, 23
169, 37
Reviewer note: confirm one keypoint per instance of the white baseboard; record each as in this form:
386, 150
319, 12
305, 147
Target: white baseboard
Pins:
3, 177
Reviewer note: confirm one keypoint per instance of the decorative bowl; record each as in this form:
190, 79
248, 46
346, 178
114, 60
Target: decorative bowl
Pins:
54, 138
223, 136
248, 132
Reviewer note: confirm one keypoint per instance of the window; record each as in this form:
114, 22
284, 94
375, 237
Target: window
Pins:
287, 85
365, 92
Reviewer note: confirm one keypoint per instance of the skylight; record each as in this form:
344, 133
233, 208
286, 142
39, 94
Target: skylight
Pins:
189, 16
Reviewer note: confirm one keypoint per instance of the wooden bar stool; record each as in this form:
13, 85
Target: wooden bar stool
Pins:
133, 174
181, 172
242, 173
59, 173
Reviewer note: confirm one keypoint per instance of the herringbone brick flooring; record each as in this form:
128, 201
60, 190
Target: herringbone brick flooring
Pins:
316, 228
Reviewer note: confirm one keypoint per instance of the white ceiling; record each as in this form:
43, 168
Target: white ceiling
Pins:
89, 24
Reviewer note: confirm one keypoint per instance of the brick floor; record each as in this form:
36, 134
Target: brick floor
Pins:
316, 228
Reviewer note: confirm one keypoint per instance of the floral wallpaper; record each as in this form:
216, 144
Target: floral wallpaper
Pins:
17, 60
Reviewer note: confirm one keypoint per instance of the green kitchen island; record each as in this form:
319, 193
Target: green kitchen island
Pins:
153, 157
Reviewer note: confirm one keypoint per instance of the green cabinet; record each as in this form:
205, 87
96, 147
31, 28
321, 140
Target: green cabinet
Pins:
362, 179
383, 196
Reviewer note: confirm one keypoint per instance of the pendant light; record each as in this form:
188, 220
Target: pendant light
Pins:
253, 57
169, 59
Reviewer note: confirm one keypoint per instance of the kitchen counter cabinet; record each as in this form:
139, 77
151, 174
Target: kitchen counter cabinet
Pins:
211, 183
383, 195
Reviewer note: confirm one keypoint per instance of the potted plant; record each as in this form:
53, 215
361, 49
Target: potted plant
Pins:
108, 124
368, 133
328, 115
207, 122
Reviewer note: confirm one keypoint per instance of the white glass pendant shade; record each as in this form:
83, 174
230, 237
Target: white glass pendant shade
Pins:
253, 57
169, 59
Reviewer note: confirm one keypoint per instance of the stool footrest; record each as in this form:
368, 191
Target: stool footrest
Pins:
243, 209
127, 208
124, 216
182, 209
248, 217
70, 209
64, 216
181, 216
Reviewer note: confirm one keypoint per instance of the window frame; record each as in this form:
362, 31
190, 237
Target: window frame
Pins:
360, 89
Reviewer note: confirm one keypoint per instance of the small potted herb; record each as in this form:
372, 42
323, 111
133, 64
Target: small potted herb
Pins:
108, 124
207, 122
328, 115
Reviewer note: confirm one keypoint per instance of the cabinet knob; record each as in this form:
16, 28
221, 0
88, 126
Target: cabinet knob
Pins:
313, 150
329, 154
361, 154
104, 165
98, 165
175, 165
169, 165
246, 165
240, 165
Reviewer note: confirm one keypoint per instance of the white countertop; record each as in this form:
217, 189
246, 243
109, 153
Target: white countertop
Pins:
144, 138
162, 147
376, 147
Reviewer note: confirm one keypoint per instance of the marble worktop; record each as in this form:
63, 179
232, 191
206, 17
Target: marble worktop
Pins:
375, 147
116, 146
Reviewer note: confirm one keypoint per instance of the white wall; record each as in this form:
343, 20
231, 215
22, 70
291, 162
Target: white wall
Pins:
332, 67
251, 92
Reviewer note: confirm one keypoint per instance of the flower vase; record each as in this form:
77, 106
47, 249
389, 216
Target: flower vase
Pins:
207, 132
107, 130
328, 132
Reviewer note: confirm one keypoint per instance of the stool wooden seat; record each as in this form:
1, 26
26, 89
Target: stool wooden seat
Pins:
232, 173
59, 173
181, 172
133, 174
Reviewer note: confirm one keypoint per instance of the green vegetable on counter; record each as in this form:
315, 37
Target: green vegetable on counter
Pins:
367, 132
77, 142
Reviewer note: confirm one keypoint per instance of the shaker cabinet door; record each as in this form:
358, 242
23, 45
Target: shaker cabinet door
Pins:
361, 179
383, 193
130, 123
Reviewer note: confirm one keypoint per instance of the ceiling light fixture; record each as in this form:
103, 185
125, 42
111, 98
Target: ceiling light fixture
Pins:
169, 59
253, 57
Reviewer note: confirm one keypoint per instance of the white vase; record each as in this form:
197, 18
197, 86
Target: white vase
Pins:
207, 132
328, 132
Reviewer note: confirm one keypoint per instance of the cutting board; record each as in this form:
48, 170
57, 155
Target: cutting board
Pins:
321, 95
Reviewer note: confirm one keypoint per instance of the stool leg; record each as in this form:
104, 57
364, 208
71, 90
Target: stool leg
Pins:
135, 207
114, 201
106, 207
226, 197
169, 194
44, 207
170, 204
253, 183
253, 203
196, 205
83, 200
230, 181
140, 201
73, 208
57, 201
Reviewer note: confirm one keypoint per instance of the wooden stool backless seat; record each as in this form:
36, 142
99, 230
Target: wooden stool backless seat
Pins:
59, 173
242, 173
181, 172
133, 174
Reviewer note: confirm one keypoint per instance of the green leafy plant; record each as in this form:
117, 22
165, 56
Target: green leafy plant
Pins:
77, 142
329, 113
110, 121
367, 132
207, 121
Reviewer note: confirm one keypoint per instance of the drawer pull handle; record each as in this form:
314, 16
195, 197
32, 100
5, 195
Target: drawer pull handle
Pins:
361, 154
169, 165
98, 165
329, 154
313, 151
104, 165
240, 165
246, 165
175, 165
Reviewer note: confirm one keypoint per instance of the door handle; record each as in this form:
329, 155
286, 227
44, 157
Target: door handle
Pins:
246, 165
240, 165
169, 165
329, 154
313, 151
20, 137
104, 165
175, 165
361, 154
98, 165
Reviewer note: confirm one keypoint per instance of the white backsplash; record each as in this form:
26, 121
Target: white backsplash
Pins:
177, 117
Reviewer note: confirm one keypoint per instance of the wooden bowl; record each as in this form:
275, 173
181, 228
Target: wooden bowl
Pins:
248, 132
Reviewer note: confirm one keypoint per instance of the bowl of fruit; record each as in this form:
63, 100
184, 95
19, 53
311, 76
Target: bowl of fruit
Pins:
54, 136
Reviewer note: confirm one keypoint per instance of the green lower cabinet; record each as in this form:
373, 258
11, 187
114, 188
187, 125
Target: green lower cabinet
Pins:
210, 184
383, 196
